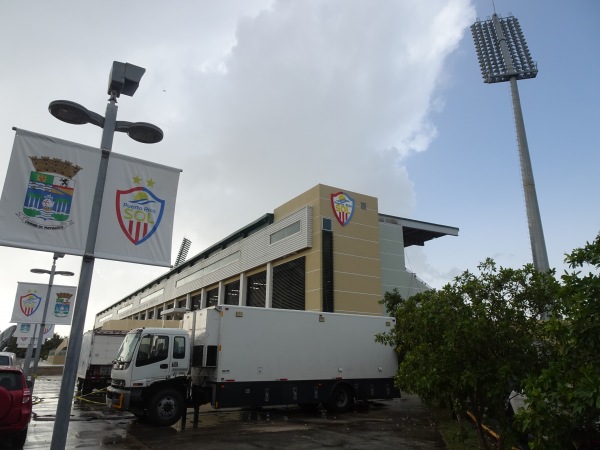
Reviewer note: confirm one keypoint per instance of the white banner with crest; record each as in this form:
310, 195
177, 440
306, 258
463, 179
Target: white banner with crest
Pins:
138, 207
49, 190
47, 197
29, 330
23, 342
30, 299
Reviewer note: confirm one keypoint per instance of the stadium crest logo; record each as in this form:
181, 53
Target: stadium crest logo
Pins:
29, 304
139, 211
343, 207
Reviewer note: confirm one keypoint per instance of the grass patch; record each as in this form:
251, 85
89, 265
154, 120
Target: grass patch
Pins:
449, 429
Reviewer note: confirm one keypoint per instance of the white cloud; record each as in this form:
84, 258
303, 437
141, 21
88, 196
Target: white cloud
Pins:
258, 102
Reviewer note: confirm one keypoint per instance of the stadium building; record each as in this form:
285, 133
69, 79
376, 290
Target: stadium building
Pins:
328, 250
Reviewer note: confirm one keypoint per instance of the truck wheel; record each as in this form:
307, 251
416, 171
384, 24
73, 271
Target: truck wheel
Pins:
166, 407
341, 399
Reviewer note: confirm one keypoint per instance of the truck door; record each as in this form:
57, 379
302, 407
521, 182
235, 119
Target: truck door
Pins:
180, 359
152, 360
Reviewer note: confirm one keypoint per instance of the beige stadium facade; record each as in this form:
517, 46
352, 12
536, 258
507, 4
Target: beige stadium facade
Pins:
328, 250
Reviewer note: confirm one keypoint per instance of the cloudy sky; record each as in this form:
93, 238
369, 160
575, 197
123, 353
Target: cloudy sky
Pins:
261, 100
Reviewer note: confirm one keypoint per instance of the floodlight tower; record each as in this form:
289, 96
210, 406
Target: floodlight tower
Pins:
504, 56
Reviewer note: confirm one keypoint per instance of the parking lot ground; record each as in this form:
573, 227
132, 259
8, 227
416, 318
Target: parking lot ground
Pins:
399, 424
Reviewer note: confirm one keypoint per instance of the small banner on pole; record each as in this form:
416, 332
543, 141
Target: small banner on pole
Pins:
23, 342
29, 304
28, 330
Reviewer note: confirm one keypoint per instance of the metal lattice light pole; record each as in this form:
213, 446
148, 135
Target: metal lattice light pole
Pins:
504, 56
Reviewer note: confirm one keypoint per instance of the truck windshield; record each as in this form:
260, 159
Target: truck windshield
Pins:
128, 346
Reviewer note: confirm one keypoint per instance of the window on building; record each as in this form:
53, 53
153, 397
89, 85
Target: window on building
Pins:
288, 285
232, 293
196, 301
212, 297
285, 232
327, 270
256, 290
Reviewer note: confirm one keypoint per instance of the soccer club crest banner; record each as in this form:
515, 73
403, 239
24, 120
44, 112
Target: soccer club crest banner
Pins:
23, 342
136, 220
48, 191
30, 299
29, 330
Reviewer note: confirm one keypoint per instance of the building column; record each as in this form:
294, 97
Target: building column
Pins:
242, 293
269, 286
203, 300
221, 300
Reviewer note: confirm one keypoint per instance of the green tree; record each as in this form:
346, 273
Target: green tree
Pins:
50, 344
472, 342
563, 402
11, 346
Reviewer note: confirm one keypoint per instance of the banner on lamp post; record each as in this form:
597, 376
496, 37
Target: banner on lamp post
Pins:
138, 207
23, 342
48, 191
29, 304
48, 195
29, 330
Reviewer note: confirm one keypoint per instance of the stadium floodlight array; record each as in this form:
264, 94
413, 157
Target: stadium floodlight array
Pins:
183, 251
502, 50
504, 56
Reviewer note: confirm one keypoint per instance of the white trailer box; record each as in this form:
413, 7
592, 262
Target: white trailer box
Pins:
257, 344
98, 350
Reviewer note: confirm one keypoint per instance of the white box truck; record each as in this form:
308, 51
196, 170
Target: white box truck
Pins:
236, 356
98, 351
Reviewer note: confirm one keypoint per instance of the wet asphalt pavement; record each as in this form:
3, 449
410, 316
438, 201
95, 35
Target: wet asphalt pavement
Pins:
399, 424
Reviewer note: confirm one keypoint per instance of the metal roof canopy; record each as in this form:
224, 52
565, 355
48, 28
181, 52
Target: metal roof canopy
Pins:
416, 232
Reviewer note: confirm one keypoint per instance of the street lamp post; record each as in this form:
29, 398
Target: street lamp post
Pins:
124, 79
50, 272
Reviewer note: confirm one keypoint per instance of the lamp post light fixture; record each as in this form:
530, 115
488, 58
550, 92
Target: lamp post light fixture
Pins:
124, 79
75, 114
52, 272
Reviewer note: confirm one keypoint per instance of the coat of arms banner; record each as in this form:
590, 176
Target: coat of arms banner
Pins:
48, 191
29, 330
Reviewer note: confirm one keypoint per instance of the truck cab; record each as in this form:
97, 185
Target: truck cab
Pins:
151, 361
